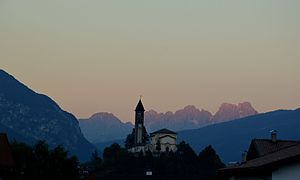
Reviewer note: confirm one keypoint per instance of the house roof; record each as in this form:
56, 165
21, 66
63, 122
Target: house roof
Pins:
266, 146
6, 158
163, 131
286, 155
271, 155
139, 106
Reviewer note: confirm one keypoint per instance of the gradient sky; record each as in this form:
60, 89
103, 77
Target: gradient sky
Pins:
93, 55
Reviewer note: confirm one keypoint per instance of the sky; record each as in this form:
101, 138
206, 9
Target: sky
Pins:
94, 56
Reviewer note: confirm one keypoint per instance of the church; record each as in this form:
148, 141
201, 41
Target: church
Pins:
163, 140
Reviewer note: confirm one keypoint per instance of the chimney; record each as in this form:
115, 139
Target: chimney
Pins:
274, 136
244, 157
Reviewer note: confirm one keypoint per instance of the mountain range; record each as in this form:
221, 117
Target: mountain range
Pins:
192, 118
103, 127
232, 138
28, 116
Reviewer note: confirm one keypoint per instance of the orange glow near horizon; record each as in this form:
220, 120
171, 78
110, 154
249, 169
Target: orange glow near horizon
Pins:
94, 56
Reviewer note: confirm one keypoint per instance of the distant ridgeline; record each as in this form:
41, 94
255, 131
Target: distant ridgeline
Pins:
157, 156
103, 127
232, 138
28, 117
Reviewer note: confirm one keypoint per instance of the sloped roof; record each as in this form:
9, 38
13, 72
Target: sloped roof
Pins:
285, 155
265, 156
262, 147
6, 158
163, 131
140, 106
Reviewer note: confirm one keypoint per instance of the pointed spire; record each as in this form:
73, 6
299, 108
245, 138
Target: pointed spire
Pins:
140, 106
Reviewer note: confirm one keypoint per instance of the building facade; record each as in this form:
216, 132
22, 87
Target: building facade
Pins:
163, 140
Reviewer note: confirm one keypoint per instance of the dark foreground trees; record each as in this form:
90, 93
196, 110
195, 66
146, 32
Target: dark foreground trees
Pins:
209, 161
40, 162
117, 163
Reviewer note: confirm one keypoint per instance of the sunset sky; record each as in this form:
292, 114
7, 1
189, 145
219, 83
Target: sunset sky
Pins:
92, 56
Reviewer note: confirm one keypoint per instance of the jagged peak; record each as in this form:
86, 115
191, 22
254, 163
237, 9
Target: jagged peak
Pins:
151, 111
190, 108
229, 111
245, 104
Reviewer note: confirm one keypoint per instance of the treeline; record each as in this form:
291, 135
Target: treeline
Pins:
118, 163
41, 163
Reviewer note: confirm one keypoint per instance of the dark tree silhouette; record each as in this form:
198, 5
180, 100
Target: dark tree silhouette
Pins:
186, 151
39, 162
158, 146
129, 142
182, 164
96, 162
209, 162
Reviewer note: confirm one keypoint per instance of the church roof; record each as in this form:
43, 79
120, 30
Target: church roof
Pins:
167, 136
163, 131
140, 106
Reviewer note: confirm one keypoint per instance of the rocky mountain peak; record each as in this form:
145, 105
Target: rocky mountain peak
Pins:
151, 113
103, 116
229, 111
36, 116
190, 108
104, 126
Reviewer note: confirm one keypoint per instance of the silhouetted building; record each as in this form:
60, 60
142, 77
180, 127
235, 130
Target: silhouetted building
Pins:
268, 159
164, 138
139, 124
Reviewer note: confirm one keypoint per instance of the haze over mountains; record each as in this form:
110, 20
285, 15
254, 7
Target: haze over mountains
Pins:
102, 127
192, 118
28, 116
232, 138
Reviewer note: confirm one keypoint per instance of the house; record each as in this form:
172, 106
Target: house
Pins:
160, 141
268, 159
7, 163
163, 140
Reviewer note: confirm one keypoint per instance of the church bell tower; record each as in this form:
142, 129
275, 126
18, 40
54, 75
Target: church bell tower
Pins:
139, 123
